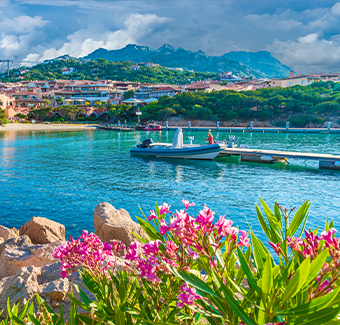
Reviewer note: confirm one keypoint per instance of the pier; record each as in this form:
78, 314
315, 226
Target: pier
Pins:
255, 130
326, 161
116, 128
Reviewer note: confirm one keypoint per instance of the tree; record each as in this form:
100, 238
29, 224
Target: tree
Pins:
165, 112
3, 119
128, 94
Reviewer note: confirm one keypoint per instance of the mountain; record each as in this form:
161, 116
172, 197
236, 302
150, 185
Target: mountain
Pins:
258, 64
261, 61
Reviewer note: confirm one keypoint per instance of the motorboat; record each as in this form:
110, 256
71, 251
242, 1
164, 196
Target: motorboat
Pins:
153, 127
176, 149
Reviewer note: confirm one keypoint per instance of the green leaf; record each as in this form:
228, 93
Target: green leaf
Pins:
263, 223
299, 217
312, 306
232, 302
320, 317
273, 222
267, 280
151, 231
260, 254
119, 317
316, 265
297, 281
277, 214
247, 270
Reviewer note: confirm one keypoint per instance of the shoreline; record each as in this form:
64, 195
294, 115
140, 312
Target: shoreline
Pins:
45, 127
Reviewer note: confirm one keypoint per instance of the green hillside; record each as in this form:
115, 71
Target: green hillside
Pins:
104, 69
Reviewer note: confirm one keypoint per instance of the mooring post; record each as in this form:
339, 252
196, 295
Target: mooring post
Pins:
287, 125
167, 124
251, 125
189, 125
218, 124
329, 126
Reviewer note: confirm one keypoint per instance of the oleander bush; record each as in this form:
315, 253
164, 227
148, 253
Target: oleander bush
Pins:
192, 270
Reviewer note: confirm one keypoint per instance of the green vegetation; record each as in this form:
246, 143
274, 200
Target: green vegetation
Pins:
3, 119
104, 69
300, 105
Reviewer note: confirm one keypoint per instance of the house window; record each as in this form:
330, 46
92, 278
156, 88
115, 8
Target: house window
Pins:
290, 83
303, 82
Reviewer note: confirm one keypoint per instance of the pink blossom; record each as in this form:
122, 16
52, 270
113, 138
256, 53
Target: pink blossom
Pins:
276, 248
206, 216
187, 204
244, 240
151, 248
192, 254
324, 284
133, 253
171, 247
164, 208
223, 226
327, 236
152, 215
163, 229
86, 251
187, 296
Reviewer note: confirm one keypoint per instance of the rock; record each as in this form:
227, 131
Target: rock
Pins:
43, 231
6, 233
46, 281
110, 223
13, 258
1, 240
15, 242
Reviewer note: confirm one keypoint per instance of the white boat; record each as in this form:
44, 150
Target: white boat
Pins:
177, 149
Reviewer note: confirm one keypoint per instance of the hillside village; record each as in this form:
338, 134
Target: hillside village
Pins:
41, 99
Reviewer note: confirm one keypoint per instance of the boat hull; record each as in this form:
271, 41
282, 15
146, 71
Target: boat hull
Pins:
208, 152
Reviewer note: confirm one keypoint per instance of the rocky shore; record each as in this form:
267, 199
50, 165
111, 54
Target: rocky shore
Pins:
27, 265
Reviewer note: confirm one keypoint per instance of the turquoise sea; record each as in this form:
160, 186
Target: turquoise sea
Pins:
64, 175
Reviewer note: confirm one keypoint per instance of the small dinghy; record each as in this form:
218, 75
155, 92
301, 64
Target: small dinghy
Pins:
177, 149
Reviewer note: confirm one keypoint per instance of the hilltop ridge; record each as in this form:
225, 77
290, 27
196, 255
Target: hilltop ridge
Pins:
253, 64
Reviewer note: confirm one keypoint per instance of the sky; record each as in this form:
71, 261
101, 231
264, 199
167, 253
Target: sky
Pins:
305, 35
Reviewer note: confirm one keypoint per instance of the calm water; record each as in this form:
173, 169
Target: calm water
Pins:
64, 175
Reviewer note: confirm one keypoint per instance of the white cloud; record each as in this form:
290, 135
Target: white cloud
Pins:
86, 40
308, 53
23, 24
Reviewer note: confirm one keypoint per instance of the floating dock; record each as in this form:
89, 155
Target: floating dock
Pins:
326, 161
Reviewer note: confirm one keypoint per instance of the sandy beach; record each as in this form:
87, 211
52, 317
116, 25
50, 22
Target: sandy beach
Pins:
45, 127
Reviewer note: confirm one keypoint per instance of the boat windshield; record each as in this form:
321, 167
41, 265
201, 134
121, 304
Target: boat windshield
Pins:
177, 143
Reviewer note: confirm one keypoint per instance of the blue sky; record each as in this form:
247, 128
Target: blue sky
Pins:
304, 35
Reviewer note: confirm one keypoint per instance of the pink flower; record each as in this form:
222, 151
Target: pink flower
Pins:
327, 236
152, 215
163, 229
171, 247
206, 216
244, 240
276, 247
188, 296
133, 253
187, 204
151, 248
223, 226
164, 208
324, 284
192, 254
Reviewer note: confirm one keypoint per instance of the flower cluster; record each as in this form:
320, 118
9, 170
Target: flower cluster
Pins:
148, 259
186, 239
187, 296
87, 251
